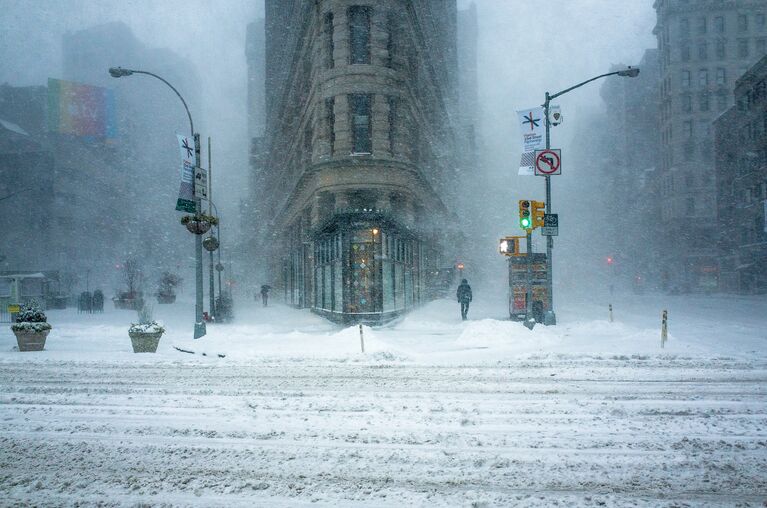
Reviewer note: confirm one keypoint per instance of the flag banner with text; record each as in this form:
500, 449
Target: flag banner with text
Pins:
533, 137
185, 201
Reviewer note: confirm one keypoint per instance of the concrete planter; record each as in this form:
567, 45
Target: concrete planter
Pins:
145, 342
166, 298
128, 303
29, 340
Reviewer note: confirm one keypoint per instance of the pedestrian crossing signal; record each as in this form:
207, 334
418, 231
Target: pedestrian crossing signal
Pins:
509, 246
538, 213
525, 222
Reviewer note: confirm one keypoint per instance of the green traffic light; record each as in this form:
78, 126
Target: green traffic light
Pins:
525, 223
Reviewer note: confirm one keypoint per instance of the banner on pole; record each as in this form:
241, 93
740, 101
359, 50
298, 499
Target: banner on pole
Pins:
185, 202
533, 132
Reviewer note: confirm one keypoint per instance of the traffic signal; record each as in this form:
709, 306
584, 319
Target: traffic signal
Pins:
539, 210
525, 222
509, 246
609, 260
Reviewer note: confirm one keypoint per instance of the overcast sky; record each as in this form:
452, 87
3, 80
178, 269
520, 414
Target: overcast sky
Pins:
524, 50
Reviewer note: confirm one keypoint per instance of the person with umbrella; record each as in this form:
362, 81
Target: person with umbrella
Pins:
265, 293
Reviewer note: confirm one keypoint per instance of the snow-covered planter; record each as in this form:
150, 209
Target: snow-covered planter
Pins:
166, 290
31, 328
145, 335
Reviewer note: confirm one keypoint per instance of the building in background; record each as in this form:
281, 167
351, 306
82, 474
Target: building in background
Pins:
357, 194
250, 213
628, 207
70, 213
100, 159
473, 181
741, 177
704, 47
148, 117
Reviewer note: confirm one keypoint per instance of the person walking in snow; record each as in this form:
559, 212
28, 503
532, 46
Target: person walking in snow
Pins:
463, 294
265, 294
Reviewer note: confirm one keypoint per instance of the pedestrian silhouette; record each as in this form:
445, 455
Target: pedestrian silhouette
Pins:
463, 294
265, 293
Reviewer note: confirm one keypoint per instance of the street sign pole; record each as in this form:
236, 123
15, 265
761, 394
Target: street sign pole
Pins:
199, 324
550, 318
529, 320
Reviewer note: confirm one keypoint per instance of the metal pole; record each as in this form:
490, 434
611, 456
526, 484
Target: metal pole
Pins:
529, 291
211, 286
199, 324
550, 317
218, 251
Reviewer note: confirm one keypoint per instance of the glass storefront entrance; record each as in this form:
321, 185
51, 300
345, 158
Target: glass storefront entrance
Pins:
364, 260
365, 272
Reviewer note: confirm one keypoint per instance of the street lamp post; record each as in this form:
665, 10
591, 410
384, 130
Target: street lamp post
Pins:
218, 264
631, 72
199, 324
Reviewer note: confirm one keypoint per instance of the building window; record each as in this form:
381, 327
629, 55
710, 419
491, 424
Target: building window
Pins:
703, 77
702, 25
361, 128
330, 119
686, 79
393, 123
721, 101
742, 22
743, 48
359, 34
761, 46
703, 101
685, 53
719, 24
703, 51
391, 30
721, 53
686, 104
721, 76
688, 128
759, 20
690, 206
684, 27
329, 46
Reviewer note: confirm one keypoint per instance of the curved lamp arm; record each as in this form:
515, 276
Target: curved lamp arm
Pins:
630, 72
118, 72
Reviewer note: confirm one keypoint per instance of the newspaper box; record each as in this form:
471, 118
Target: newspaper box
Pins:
518, 287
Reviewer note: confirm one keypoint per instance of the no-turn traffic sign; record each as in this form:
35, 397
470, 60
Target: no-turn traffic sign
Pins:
548, 162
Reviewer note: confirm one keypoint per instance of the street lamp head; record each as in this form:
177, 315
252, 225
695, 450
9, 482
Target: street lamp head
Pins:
118, 72
631, 72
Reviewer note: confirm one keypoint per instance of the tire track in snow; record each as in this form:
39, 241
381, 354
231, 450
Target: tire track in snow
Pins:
671, 433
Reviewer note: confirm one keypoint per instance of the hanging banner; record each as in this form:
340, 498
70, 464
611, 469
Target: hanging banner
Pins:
555, 115
185, 201
533, 137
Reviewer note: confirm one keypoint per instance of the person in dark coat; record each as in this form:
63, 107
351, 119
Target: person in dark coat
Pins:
265, 294
464, 297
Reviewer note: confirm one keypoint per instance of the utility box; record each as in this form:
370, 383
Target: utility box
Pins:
518, 287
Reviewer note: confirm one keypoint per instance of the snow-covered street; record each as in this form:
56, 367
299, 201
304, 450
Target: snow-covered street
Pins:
437, 412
